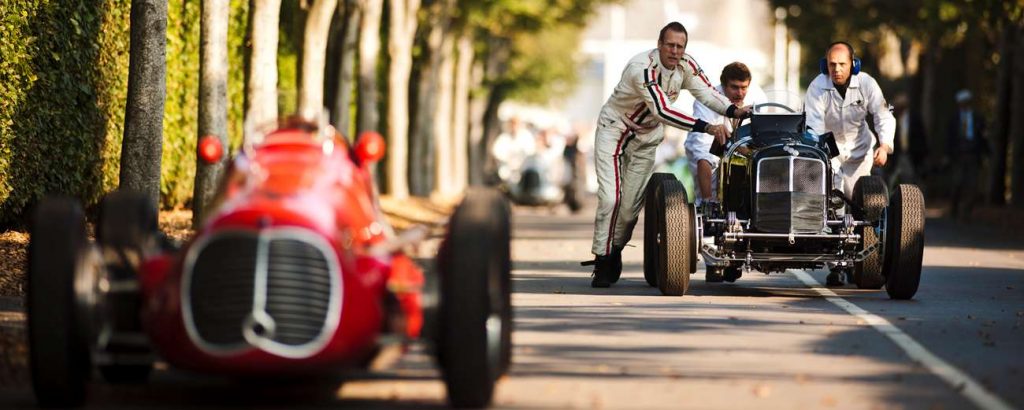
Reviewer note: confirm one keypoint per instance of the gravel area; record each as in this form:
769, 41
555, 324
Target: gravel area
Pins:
13, 256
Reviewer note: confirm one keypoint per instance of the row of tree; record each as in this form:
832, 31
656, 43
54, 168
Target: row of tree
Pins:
428, 74
941, 46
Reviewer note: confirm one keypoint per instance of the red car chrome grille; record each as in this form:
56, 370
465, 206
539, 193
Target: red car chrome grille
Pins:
277, 289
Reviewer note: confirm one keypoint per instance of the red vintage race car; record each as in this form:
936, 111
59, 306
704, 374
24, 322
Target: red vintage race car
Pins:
294, 273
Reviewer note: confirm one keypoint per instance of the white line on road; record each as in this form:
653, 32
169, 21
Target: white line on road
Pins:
960, 381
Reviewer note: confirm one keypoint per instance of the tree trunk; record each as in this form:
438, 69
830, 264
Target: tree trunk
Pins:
314, 51
492, 127
421, 134
142, 145
213, 101
477, 107
1001, 122
1016, 134
369, 50
262, 85
497, 65
930, 79
341, 105
332, 59
443, 142
460, 114
400, 41
314, 54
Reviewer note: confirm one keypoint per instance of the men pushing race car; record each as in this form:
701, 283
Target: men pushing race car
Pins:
785, 199
793, 187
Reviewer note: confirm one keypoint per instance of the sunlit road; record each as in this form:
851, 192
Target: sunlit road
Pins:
763, 342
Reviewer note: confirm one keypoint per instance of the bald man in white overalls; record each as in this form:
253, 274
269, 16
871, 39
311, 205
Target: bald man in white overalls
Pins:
839, 101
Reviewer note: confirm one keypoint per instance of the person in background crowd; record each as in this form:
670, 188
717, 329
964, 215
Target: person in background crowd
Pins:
967, 148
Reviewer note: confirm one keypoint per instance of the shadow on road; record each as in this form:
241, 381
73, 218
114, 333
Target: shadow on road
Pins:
950, 233
753, 284
178, 389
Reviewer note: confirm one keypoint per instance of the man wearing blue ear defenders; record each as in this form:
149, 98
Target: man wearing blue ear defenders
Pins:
839, 101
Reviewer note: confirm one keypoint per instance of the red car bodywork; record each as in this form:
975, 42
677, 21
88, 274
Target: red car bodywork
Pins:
321, 191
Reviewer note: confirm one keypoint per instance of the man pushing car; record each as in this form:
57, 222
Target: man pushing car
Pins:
839, 100
629, 129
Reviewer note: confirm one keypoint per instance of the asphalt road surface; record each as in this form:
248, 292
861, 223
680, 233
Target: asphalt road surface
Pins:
766, 341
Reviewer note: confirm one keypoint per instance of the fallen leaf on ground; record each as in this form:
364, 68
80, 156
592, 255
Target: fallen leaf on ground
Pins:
762, 390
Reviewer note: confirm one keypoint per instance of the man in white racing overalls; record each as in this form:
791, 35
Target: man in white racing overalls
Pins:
629, 130
839, 101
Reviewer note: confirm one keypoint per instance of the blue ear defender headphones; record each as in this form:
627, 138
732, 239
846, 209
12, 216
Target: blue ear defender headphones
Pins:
823, 63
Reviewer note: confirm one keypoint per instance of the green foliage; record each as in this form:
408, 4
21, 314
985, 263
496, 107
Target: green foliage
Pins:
545, 65
113, 86
62, 67
238, 54
945, 23
537, 40
181, 109
63, 83
506, 17
289, 51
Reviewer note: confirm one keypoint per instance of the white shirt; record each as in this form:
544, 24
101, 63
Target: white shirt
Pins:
844, 117
698, 143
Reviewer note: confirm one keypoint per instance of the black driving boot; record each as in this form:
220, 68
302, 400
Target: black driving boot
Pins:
835, 278
603, 272
616, 264
713, 274
732, 273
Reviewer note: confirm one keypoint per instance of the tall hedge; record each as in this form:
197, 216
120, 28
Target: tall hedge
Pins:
63, 80
62, 89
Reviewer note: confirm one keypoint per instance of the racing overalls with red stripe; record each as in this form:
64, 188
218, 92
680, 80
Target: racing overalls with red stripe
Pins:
624, 158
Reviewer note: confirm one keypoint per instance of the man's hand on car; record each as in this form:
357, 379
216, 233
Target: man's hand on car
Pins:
719, 131
743, 112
